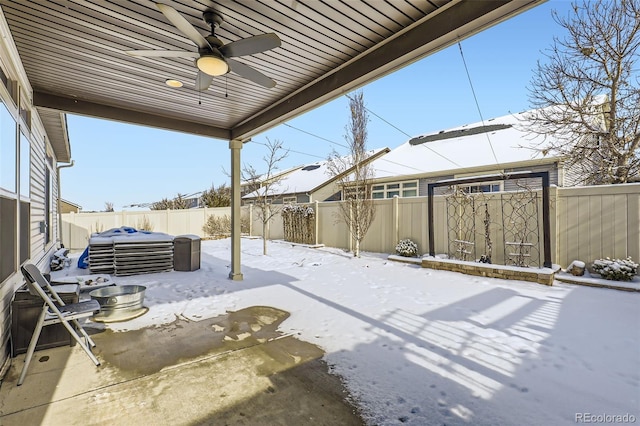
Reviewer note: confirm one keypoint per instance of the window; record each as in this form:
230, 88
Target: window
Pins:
354, 192
7, 150
8, 202
25, 166
390, 190
482, 187
25, 240
24, 202
289, 200
48, 206
8, 237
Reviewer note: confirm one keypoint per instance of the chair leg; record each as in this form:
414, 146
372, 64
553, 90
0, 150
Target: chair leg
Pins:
90, 341
84, 346
32, 346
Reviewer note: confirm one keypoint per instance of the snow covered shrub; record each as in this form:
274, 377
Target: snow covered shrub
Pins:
616, 269
298, 222
407, 248
220, 226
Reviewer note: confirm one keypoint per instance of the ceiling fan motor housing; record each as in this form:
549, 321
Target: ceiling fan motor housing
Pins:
212, 18
215, 57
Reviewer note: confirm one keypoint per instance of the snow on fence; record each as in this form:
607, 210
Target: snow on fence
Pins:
587, 223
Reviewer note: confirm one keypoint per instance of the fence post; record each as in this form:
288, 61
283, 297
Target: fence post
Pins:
68, 242
250, 219
350, 226
395, 220
316, 225
204, 221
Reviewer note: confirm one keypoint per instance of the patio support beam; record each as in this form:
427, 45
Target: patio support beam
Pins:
71, 105
235, 146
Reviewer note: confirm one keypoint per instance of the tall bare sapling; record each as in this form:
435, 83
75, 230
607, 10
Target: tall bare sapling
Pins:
353, 173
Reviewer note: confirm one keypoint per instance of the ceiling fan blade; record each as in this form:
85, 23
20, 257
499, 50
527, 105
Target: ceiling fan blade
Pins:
245, 71
163, 53
203, 81
183, 25
251, 45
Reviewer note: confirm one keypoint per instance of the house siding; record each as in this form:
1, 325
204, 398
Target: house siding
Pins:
325, 193
509, 185
573, 175
37, 193
38, 251
534, 184
423, 184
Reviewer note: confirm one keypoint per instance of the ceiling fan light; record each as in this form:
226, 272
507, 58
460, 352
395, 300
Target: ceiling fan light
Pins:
212, 65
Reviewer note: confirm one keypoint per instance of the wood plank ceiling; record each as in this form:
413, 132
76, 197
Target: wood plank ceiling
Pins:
73, 54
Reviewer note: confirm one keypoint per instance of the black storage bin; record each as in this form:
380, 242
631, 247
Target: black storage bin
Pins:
186, 253
26, 309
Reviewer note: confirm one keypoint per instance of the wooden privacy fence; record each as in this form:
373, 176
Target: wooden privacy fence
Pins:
587, 223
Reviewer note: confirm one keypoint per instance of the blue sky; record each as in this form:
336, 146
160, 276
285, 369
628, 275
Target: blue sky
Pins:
125, 164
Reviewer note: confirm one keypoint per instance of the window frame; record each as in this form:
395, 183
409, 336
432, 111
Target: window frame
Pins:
9, 150
399, 188
491, 185
24, 148
13, 252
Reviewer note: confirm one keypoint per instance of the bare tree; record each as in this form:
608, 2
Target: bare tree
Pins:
588, 92
353, 173
108, 206
268, 184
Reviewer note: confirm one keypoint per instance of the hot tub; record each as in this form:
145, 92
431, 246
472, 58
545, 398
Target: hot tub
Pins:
119, 303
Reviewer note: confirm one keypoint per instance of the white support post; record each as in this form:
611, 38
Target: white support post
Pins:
235, 146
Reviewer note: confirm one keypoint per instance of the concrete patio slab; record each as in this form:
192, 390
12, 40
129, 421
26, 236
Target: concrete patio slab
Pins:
232, 369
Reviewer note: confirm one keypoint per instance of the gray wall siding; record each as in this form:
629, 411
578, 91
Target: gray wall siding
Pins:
508, 185
534, 184
573, 176
38, 170
423, 184
39, 252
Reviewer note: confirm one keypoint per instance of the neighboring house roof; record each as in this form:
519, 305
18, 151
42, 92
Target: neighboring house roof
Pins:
465, 148
78, 206
262, 178
308, 178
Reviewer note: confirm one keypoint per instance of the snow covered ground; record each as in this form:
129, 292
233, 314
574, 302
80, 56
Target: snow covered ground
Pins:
424, 347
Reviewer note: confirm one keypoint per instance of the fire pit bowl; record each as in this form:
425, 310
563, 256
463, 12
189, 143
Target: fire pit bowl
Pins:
119, 303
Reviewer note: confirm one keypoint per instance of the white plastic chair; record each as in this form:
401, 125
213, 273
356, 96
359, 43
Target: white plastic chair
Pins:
55, 311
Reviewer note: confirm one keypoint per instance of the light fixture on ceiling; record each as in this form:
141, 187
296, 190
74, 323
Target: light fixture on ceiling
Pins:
212, 64
173, 82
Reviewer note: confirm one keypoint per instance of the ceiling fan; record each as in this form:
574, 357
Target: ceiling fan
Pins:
213, 58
